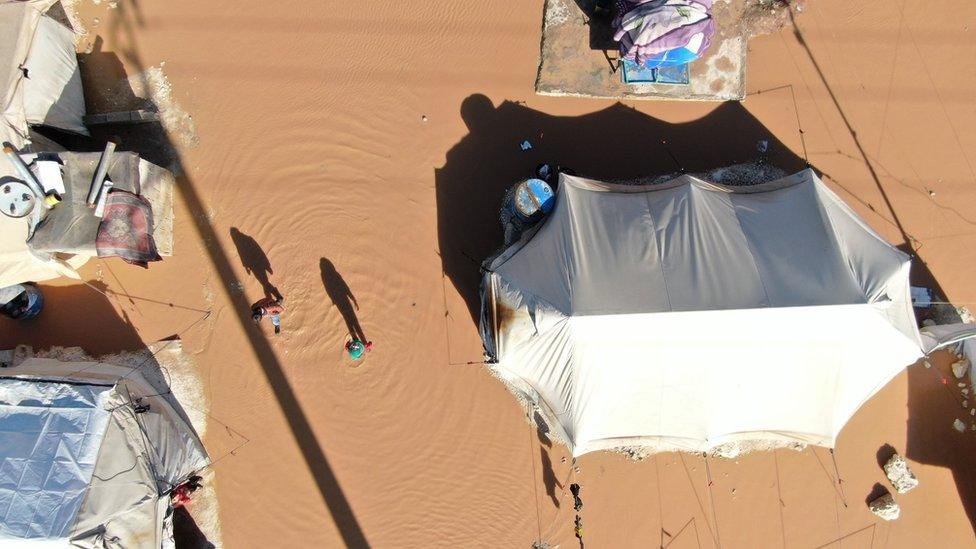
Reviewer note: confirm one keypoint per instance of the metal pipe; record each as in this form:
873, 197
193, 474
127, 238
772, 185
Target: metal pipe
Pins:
102, 197
100, 173
25, 173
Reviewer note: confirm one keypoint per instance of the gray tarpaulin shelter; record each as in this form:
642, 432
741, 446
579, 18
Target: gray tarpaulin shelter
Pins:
88, 454
689, 315
40, 83
52, 243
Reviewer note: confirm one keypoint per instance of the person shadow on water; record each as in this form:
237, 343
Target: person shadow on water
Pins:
343, 298
255, 262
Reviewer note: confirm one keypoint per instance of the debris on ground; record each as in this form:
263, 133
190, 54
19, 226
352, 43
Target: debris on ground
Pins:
959, 425
577, 501
901, 477
177, 122
885, 507
748, 173
965, 315
732, 450
767, 16
525, 145
727, 451
635, 453
959, 368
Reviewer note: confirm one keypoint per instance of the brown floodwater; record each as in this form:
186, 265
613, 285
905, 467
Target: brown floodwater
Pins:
352, 156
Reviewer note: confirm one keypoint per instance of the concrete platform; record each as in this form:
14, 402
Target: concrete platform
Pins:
580, 58
138, 116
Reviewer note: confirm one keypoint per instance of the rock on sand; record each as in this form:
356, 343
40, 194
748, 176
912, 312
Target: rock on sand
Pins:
960, 368
885, 507
901, 477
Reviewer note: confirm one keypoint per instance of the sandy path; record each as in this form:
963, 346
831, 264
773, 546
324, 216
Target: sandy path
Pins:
312, 143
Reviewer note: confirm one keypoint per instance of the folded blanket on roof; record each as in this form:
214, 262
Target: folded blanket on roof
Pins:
649, 29
126, 229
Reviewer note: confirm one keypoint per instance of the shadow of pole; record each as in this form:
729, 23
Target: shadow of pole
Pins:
921, 274
318, 463
154, 144
850, 128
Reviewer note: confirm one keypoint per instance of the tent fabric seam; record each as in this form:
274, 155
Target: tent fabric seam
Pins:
752, 253
657, 247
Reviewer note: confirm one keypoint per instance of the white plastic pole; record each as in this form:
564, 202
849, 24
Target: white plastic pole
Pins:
100, 173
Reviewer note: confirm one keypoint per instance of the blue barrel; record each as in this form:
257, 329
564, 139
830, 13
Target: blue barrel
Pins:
533, 199
26, 305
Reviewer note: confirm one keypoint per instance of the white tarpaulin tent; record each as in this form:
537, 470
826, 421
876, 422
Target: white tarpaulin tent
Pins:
88, 454
39, 78
689, 315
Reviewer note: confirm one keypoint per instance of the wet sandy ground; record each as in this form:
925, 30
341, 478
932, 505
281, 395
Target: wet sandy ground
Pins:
352, 157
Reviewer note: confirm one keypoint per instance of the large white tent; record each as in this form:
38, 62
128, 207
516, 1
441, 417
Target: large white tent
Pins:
88, 454
689, 315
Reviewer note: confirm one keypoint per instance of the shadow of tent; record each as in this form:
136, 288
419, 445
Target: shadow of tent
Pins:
615, 143
73, 316
931, 438
186, 533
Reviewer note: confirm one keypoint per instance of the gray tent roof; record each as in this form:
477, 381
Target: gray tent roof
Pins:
78, 463
691, 245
